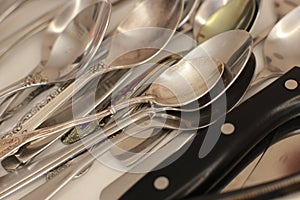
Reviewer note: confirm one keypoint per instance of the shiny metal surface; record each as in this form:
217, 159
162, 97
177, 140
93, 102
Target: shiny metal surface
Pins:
279, 160
130, 23
202, 70
253, 174
281, 47
11, 42
216, 16
92, 16
14, 181
11, 8
194, 60
282, 7
29, 151
137, 27
190, 7
188, 80
280, 50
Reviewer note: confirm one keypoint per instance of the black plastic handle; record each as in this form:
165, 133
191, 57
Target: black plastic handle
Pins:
253, 121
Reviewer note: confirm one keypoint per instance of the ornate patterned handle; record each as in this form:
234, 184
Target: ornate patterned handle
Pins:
10, 144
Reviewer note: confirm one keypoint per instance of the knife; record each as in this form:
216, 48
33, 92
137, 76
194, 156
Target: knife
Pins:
250, 123
281, 151
239, 176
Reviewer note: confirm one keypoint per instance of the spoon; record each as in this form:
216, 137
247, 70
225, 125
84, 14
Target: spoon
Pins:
217, 16
280, 49
233, 96
127, 24
29, 30
17, 4
53, 185
28, 152
50, 37
127, 31
282, 7
197, 74
237, 59
14, 181
190, 6
48, 71
237, 56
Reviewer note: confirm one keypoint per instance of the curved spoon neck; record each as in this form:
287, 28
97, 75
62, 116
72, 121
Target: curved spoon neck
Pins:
129, 102
13, 88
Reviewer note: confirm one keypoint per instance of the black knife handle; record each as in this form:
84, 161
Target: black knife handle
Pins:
253, 120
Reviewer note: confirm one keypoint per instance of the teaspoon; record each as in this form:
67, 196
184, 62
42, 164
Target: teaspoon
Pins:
126, 32
48, 71
217, 16
50, 188
129, 23
197, 73
281, 49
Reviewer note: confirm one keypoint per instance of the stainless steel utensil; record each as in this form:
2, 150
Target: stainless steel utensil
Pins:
232, 96
17, 4
35, 170
15, 180
216, 16
281, 51
12, 41
129, 23
205, 74
242, 136
82, 44
190, 8
25, 154
130, 26
241, 49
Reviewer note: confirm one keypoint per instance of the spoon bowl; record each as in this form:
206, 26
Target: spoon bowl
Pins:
150, 33
281, 48
195, 70
124, 40
184, 83
74, 25
190, 6
217, 16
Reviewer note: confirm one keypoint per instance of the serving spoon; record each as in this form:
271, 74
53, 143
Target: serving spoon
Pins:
48, 71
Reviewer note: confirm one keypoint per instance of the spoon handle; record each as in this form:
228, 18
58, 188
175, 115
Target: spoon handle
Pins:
30, 81
13, 181
17, 4
27, 32
75, 166
12, 143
